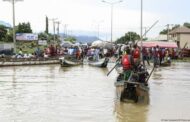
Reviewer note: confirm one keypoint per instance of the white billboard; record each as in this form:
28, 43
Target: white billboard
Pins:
26, 37
42, 42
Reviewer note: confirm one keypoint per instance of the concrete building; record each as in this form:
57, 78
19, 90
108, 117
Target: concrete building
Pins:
181, 36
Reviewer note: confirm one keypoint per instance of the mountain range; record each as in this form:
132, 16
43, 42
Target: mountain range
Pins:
82, 38
5, 24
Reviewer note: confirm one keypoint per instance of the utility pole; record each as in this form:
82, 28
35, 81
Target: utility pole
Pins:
47, 26
112, 4
145, 28
99, 28
168, 27
58, 23
53, 20
141, 29
13, 8
65, 30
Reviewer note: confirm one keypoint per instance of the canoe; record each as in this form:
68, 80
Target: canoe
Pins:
70, 62
101, 63
165, 64
27, 61
131, 91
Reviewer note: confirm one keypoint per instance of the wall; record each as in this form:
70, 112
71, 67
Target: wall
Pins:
183, 39
6, 46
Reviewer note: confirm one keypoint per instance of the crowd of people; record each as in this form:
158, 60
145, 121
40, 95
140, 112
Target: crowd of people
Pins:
132, 63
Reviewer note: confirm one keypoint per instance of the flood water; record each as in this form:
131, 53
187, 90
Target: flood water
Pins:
85, 94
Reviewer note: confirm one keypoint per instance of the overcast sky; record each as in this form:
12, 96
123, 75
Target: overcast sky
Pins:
86, 15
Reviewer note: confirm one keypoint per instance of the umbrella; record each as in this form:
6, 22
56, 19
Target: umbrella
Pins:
108, 45
97, 43
66, 44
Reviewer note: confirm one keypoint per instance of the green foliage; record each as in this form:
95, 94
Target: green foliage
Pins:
3, 32
70, 39
9, 36
186, 24
165, 31
28, 47
175, 26
43, 36
24, 28
130, 36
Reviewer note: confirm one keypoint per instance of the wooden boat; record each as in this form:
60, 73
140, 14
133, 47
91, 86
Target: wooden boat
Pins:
67, 62
131, 91
27, 61
165, 64
101, 63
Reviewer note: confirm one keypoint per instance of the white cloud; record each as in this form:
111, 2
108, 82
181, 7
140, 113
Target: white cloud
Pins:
79, 15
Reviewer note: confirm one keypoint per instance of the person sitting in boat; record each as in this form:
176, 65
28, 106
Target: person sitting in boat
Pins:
78, 53
167, 57
142, 74
127, 63
96, 54
71, 51
136, 56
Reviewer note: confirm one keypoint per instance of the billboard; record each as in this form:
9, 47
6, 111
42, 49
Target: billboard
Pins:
26, 37
42, 42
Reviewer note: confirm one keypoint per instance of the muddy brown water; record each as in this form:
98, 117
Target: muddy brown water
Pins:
51, 93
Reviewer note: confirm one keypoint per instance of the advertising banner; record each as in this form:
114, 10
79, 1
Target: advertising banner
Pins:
26, 37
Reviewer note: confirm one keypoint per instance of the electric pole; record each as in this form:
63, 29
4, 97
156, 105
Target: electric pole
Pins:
13, 8
168, 27
53, 20
58, 23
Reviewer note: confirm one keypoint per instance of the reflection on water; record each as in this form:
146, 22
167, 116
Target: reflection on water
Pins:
55, 94
169, 93
128, 112
85, 94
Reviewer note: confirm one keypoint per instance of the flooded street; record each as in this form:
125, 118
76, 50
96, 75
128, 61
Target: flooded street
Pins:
85, 94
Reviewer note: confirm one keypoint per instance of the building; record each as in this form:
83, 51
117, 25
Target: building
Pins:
181, 36
160, 37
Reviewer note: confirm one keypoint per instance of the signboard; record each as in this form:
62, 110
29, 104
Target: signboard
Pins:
26, 37
42, 42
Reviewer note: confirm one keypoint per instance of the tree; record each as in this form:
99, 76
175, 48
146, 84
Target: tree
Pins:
3, 32
24, 28
42, 36
175, 26
165, 31
186, 24
130, 36
70, 39
9, 36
